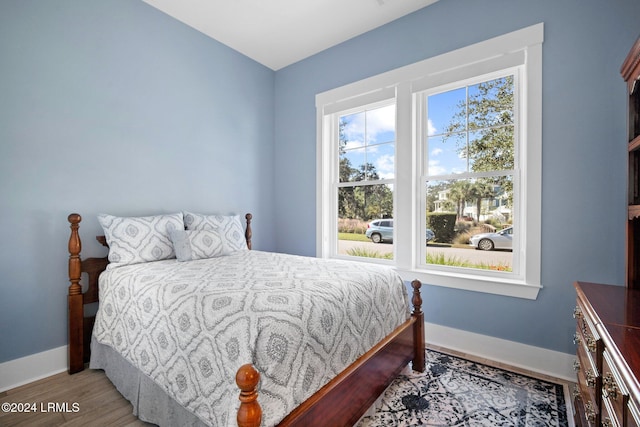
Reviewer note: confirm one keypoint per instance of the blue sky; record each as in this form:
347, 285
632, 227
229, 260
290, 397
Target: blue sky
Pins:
371, 136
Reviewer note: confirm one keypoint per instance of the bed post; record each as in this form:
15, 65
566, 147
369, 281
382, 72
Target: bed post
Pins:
249, 413
418, 328
76, 310
247, 232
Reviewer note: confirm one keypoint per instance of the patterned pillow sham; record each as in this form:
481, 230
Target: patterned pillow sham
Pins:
197, 244
229, 227
133, 240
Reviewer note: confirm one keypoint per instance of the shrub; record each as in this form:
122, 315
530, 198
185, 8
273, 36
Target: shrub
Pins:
462, 238
348, 225
443, 225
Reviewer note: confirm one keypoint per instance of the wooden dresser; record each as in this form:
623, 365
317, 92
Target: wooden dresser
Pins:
608, 355
608, 317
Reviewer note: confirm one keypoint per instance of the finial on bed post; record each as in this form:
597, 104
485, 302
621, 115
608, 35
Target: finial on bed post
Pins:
249, 413
416, 299
418, 329
74, 298
247, 232
75, 246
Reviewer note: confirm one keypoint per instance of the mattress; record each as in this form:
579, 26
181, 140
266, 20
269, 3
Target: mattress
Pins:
186, 327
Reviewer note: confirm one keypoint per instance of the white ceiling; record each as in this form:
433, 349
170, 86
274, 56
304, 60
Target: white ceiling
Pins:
277, 33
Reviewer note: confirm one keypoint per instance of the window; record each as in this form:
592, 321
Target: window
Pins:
470, 163
366, 151
449, 151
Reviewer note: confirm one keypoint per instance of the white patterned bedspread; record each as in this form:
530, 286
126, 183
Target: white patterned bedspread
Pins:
190, 325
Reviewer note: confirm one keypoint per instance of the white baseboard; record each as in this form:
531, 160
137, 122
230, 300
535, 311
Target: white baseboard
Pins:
31, 368
24, 370
536, 359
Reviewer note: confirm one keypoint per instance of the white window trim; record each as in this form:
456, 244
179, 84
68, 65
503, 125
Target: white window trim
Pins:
522, 48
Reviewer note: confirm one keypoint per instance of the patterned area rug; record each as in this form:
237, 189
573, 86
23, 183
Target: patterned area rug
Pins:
457, 392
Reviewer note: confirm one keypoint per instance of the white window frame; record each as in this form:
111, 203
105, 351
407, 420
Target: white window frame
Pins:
520, 50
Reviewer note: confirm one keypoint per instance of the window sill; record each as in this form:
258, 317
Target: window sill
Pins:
490, 285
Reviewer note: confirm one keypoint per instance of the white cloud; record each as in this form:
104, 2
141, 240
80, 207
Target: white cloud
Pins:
435, 168
352, 144
436, 151
385, 166
378, 121
431, 129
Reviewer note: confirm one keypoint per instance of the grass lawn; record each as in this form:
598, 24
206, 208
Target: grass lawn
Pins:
353, 236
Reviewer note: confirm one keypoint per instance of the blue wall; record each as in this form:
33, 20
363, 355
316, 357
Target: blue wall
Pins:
115, 107
584, 161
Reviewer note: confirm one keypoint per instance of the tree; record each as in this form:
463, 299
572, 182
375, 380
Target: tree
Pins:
479, 191
459, 193
486, 118
362, 201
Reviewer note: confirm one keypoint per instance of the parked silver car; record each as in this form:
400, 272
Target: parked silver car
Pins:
381, 230
489, 241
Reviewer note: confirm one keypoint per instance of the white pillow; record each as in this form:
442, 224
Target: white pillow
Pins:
133, 240
229, 227
197, 244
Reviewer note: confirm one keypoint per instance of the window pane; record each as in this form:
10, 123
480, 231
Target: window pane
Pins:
352, 165
445, 156
358, 207
469, 214
367, 145
491, 149
491, 103
382, 158
443, 110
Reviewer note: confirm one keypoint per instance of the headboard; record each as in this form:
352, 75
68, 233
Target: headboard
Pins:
81, 326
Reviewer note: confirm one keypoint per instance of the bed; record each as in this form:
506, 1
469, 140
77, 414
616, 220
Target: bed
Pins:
185, 336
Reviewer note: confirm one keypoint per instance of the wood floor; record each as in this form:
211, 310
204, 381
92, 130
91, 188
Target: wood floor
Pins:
89, 399
84, 399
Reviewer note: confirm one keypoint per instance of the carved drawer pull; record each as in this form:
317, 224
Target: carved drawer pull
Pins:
577, 313
576, 339
576, 391
590, 413
609, 387
607, 422
576, 365
591, 341
591, 378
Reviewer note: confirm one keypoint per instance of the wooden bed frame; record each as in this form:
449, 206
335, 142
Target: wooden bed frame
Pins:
341, 402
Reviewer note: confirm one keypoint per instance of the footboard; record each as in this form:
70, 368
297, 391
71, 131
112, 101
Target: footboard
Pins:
344, 400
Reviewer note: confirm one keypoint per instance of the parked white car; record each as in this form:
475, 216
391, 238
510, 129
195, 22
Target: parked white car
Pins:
489, 241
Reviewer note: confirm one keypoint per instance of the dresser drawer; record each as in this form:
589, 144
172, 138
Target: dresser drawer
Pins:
587, 335
608, 417
589, 383
614, 393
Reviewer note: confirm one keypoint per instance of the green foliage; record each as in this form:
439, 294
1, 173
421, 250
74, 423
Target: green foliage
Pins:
488, 117
366, 253
443, 225
363, 202
357, 237
453, 261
